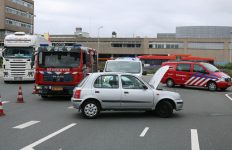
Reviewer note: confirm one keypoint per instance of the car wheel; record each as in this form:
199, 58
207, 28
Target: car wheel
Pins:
212, 86
164, 109
90, 109
170, 83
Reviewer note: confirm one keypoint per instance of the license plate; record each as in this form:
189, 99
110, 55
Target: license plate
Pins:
57, 88
18, 78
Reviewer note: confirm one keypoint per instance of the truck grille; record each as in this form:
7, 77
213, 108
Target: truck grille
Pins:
18, 68
58, 78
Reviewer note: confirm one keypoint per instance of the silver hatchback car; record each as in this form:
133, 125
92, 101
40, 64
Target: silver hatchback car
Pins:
123, 91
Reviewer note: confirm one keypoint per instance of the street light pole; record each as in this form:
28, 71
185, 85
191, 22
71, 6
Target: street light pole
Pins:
230, 45
98, 31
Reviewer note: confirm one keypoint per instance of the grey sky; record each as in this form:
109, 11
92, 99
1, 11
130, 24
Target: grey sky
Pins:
129, 17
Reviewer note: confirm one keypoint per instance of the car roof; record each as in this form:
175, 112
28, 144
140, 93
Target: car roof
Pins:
111, 73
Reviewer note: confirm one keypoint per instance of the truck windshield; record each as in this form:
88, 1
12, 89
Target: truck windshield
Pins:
18, 52
210, 67
123, 66
59, 59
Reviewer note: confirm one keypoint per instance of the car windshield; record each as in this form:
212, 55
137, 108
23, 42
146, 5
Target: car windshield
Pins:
210, 67
123, 66
18, 52
59, 59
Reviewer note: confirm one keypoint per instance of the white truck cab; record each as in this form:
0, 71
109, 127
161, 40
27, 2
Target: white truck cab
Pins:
18, 56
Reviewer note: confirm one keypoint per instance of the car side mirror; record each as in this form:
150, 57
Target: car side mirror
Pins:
144, 73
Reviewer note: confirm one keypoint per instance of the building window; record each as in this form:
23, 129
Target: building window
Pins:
209, 46
23, 3
18, 12
18, 23
125, 45
166, 45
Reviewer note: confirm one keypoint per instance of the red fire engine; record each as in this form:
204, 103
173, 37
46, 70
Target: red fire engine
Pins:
60, 69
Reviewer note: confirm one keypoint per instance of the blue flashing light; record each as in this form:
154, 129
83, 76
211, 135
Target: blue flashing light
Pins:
43, 45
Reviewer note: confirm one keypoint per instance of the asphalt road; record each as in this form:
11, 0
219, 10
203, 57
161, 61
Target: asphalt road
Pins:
205, 123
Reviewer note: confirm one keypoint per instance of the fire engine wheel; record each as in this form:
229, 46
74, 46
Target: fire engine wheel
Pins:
90, 109
164, 109
170, 83
212, 86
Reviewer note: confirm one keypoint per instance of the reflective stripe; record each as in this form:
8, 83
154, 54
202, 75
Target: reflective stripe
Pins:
189, 80
41, 72
203, 83
74, 72
66, 73
199, 81
194, 81
49, 72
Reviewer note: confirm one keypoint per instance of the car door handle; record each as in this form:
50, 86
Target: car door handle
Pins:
97, 92
126, 92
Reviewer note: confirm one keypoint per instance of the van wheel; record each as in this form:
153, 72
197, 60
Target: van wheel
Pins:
90, 109
212, 86
164, 109
170, 83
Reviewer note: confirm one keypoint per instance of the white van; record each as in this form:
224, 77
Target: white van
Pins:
126, 65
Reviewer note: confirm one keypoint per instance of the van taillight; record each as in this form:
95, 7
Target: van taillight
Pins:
77, 94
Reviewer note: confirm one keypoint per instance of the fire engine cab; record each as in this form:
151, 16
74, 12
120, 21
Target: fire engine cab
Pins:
60, 69
198, 74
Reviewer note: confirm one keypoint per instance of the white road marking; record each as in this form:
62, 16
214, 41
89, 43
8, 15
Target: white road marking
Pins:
30, 147
227, 95
4, 102
27, 124
144, 132
194, 140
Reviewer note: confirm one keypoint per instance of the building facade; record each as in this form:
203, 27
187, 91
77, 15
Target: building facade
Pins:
16, 15
202, 41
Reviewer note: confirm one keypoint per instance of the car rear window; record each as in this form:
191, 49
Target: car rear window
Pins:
83, 81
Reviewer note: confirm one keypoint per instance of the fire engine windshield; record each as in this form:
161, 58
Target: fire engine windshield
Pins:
123, 66
59, 59
18, 52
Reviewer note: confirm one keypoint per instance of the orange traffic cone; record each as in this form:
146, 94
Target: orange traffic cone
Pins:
20, 95
1, 107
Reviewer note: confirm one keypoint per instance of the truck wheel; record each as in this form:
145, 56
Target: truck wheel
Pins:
212, 86
170, 83
164, 109
90, 109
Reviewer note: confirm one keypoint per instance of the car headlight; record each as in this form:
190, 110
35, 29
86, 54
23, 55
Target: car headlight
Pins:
5, 73
222, 79
38, 87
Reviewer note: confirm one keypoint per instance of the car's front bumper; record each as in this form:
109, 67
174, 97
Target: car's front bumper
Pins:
179, 104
